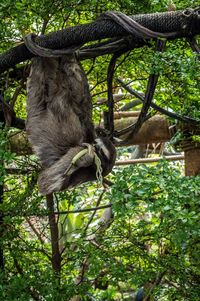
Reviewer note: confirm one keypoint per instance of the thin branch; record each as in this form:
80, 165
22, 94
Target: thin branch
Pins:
158, 108
194, 45
16, 94
116, 97
63, 212
84, 210
37, 233
10, 118
108, 116
44, 25
152, 82
18, 171
155, 283
94, 212
92, 67
150, 160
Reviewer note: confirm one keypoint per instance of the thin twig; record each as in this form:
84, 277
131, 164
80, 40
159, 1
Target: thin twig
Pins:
37, 233
94, 212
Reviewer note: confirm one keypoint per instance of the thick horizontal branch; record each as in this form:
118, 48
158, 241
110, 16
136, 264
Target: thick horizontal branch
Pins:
185, 23
119, 115
150, 160
154, 130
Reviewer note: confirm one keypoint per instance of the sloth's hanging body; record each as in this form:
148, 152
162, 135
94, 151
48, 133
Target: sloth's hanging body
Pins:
59, 124
59, 107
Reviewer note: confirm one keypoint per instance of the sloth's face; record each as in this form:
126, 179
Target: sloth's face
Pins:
101, 146
106, 152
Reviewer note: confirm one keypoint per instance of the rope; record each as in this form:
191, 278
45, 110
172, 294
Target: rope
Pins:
90, 150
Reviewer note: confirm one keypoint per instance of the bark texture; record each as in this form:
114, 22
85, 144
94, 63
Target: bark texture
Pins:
185, 23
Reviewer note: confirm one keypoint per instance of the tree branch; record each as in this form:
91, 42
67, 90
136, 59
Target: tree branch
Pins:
56, 256
171, 114
185, 23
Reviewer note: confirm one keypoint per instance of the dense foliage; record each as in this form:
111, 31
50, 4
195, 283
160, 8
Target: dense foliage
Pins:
148, 235
152, 239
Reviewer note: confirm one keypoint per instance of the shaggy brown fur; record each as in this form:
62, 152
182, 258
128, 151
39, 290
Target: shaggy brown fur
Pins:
59, 121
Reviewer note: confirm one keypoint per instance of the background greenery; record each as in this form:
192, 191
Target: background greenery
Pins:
152, 240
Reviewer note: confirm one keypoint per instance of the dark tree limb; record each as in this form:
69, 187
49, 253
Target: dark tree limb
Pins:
152, 82
170, 114
184, 23
8, 118
56, 256
109, 116
195, 47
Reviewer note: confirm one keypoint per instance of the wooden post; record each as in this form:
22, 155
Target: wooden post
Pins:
191, 149
192, 162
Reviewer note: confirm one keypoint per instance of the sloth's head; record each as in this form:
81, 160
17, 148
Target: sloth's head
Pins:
106, 153
55, 178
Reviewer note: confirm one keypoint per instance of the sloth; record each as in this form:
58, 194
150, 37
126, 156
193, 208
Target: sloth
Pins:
60, 128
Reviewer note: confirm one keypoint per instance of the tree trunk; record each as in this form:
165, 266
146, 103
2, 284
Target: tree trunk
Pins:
56, 256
